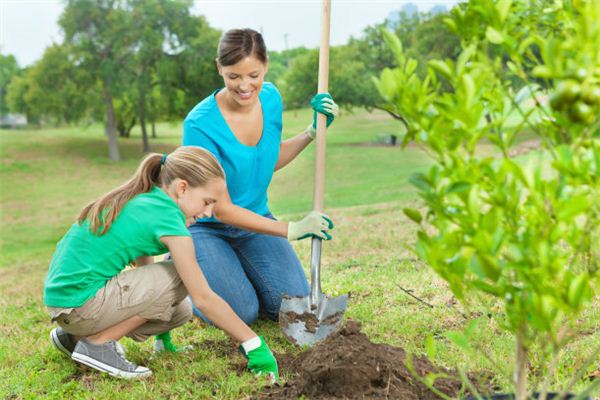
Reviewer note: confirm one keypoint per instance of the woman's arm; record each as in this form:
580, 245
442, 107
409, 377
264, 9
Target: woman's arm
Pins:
228, 213
290, 148
208, 302
313, 224
321, 103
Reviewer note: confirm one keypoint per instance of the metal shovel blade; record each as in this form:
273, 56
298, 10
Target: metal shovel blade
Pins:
308, 320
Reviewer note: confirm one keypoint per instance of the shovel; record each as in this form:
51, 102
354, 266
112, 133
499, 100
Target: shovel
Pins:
308, 320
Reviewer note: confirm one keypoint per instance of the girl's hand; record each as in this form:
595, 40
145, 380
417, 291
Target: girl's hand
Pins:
260, 358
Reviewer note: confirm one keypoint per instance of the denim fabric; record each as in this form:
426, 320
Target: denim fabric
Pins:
250, 271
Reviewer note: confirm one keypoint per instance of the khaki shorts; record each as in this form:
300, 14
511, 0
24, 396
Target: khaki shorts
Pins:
154, 292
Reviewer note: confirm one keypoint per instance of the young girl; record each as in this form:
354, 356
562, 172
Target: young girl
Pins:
95, 302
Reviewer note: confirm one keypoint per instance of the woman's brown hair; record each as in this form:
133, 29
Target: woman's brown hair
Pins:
195, 165
237, 44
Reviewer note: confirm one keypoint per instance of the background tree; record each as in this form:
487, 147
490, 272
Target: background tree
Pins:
8, 69
17, 99
99, 35
58, 89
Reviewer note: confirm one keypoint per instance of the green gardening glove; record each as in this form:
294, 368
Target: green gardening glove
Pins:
163, 343
322, 103
314, 224
260, 359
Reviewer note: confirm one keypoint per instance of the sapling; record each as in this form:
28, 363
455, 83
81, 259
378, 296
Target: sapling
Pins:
522, 230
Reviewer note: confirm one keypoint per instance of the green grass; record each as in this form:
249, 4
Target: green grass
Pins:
46, 177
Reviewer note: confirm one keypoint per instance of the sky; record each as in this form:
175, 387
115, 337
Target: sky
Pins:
27, 27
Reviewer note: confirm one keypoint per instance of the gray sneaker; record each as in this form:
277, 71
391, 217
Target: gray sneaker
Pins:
63, 341
106, 357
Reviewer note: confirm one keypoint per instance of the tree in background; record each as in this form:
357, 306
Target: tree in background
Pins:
56, 88
350, 80
100, 37
8, 69
353, 65
16, 97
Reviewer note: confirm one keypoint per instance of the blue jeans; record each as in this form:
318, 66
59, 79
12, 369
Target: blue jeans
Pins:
250, 271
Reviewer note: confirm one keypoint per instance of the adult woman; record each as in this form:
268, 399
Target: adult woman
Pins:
242, 252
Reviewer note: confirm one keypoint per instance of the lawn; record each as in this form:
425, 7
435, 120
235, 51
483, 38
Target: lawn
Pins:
48, 175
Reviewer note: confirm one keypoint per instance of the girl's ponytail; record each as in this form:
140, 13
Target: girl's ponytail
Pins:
102, 212
194, 164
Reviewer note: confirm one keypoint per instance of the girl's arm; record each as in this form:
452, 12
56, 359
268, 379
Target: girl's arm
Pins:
208, 302
290, 148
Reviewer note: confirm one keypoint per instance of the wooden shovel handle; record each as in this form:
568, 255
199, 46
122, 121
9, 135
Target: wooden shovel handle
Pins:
315, 259
318, 199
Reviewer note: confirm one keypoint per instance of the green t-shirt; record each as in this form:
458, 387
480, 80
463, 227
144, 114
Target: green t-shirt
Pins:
83, 262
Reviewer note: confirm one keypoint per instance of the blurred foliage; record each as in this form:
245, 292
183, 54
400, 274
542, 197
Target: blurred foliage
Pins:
522, 230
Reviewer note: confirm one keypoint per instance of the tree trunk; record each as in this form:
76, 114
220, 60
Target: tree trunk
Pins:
153, 129
130, 127
521, 371
110, 127
142, 115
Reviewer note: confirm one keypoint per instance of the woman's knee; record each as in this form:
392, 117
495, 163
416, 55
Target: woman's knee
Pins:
248, 314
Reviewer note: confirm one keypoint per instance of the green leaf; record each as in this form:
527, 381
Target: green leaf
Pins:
420, 181
458, 187
393, 42
459, 339
388, 87
469, 88
579, 290
503, 7
413, 214
494, 36
464, 58
573, 207
451, 24
442, 68
494, 290
411, 66
430, 347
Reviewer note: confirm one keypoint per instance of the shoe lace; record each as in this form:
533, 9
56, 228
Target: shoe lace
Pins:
121, 353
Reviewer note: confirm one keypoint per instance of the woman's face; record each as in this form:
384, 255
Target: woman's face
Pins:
244, 79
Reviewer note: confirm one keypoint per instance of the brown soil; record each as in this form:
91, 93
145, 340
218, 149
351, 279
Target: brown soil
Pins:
310, 320
347, 365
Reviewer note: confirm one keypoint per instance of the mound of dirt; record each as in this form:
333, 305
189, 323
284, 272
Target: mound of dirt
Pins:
347, 365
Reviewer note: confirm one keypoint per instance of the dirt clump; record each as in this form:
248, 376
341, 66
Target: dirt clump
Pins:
310, 320
347, 365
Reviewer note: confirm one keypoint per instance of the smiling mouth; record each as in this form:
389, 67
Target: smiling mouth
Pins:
245, 95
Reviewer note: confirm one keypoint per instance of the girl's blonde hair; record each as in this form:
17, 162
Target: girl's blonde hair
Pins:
195, 165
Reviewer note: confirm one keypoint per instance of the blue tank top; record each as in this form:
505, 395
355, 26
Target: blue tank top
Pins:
248, 169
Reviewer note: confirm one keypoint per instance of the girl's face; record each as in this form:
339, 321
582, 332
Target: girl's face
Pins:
244, 79
198, 202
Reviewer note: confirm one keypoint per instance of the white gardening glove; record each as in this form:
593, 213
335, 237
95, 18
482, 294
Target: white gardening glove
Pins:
314, 224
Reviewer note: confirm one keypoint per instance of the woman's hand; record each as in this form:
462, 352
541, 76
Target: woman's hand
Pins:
322, 103
314, 224
260, 358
